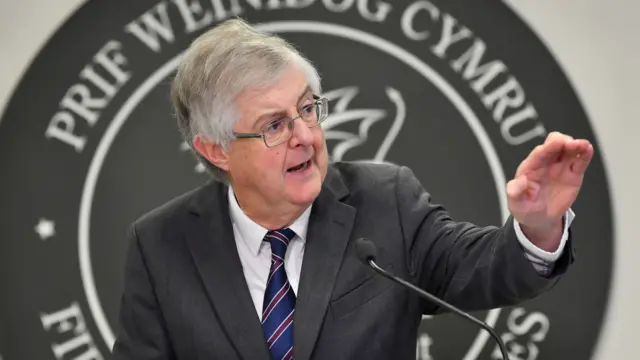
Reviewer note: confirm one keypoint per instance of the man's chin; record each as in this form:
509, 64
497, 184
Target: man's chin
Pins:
304, 193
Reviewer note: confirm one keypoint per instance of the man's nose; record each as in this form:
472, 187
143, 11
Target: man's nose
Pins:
302, 134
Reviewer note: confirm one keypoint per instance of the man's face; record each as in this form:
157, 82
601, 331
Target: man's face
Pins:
269, 175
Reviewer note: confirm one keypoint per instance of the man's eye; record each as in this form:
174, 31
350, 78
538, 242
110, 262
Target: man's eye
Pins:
274, 126
308, 109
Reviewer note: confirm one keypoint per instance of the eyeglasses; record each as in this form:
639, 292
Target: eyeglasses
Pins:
281, 130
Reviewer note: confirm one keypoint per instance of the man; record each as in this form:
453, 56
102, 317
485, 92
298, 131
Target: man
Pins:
259, 263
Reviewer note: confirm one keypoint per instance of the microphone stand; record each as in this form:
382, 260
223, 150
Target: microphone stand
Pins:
452, 308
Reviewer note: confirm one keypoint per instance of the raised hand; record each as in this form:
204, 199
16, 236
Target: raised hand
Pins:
545, 186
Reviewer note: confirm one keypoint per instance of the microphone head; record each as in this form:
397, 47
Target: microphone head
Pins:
365, 250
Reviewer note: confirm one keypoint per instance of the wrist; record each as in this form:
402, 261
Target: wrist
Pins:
547, 237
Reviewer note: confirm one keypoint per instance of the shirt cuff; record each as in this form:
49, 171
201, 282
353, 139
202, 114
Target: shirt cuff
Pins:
542, 259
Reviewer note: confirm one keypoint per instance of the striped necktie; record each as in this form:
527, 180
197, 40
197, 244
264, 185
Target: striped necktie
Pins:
279, 299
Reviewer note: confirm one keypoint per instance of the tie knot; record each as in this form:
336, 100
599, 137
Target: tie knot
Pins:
279, 240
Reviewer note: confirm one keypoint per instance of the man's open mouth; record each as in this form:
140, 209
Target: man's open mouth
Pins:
300, 167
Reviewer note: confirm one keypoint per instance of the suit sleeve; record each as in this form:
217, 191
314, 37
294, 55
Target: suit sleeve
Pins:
472, 267
141, 333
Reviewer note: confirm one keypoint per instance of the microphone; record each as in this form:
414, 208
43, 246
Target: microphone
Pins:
366, 252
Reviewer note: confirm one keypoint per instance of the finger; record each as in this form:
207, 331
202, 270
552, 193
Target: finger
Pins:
542, 155
572, 150
583, 159
517, 187
557, 136
567, 153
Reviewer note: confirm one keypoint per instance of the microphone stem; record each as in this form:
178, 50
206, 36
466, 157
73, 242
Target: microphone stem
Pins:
443, 304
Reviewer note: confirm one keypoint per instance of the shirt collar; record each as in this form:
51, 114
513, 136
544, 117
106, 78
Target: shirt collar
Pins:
252, 233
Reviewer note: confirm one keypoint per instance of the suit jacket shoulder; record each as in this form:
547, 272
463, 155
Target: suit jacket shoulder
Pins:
171, 215
361, 175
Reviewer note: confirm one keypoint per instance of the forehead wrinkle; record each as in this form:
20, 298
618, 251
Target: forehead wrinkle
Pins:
283, 108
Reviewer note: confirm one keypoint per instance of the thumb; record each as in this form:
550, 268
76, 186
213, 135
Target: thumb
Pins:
516, 188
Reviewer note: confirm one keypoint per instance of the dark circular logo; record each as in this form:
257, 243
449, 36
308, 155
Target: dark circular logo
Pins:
459, 91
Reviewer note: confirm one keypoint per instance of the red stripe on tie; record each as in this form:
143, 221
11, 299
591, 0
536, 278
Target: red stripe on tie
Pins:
285, 324
281, 237
288, 355
277, 265
274, 302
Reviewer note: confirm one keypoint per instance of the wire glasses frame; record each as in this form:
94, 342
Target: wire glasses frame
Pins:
280, 131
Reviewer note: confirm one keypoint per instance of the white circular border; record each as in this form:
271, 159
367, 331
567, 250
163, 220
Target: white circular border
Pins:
381, 44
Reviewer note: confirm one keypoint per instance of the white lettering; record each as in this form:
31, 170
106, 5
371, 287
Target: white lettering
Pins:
81, 106
448, 37
61, 127
409, 15
274, 4
529, 323
80, 101
382, 10
509, 94
506, 100
338, 5
189, 11
60, 349
507, 125
63, 317
423, 347
220, 13
89, 73
71, 320
299, 4
472, 58
515, 348
152, 27
112, 64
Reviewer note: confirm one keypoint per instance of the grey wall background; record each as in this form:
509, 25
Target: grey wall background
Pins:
595, 42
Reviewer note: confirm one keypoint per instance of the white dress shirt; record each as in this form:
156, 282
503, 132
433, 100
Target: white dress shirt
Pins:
255, 254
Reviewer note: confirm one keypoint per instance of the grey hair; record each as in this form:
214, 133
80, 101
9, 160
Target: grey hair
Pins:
218, 66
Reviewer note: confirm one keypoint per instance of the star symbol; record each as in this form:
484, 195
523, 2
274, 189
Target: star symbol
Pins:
199, 168
45, 228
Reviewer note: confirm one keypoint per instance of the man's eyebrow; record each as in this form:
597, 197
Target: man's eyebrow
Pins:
306, 91
262, 119
267, 116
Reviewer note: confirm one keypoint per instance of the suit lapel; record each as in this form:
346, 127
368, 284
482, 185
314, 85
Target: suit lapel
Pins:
211, 242
327, 237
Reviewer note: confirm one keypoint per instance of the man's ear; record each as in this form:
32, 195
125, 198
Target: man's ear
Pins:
212, 152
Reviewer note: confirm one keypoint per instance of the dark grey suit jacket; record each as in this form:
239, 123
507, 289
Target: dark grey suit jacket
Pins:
185, 296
